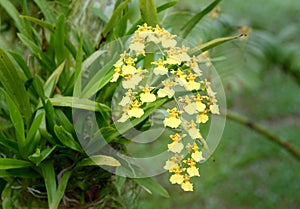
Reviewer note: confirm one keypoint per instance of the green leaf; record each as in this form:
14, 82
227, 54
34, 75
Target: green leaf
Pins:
159, 9
39, 156
117, 13
152, 186
99, 160
13, 13
46, 9
188, 27
80, 103
19, 59
100, 79
100, 14
52, 80
10, 145
50, 182
20, 173
66, 138
211, 44
17, 121
148, 12
51, 28
37, 51
14, 86
61, 187
7, 163
42, 23
59, 39
30, 143
76, 75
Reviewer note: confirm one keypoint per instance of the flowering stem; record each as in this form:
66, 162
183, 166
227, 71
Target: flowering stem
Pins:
149, 16
263, 131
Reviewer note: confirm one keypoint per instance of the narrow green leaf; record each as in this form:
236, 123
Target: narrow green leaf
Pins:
66, 138
148, 12
17, 121
158, 10
13, 13
99, 160
51, 28
63, 120
61, 188
99, 80
59, 39
188, 27
20, 173
37, 51
76, 75
40, 156
48, 173
100, 14
206, 46
21, 62
41, 23
52, 80
10, 145
46, 9
7, 163
80, 103
117, 13
152, 186
30, 139
14, 86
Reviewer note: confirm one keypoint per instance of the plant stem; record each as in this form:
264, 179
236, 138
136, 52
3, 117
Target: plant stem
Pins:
295, 152
149, 15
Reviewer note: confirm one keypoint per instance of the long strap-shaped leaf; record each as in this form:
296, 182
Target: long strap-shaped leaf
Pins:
188, 27
218, 41
54, 192
14, 86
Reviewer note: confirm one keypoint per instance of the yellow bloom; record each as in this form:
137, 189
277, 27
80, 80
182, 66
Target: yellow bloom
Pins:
214, 108
168, 41
170, 164
123, 118
127, 98
137, 45
131, 81
147, 96
175, 147
202, 118
192, 130
186, 185
180, 77
160, 69
171, 60
167, 90
129, 70
173, 121
193, 171
116, 75
200, 106
191, 84
197, 156
176, 179
135, 110
190, 108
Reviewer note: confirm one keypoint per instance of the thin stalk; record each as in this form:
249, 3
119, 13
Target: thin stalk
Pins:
291, 149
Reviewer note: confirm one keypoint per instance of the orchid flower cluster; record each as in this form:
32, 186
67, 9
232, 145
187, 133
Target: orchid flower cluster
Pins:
178, 72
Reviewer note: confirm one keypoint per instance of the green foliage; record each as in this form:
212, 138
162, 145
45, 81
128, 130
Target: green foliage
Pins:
43, 82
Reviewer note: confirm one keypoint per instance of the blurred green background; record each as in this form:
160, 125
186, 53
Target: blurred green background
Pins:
261, 77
